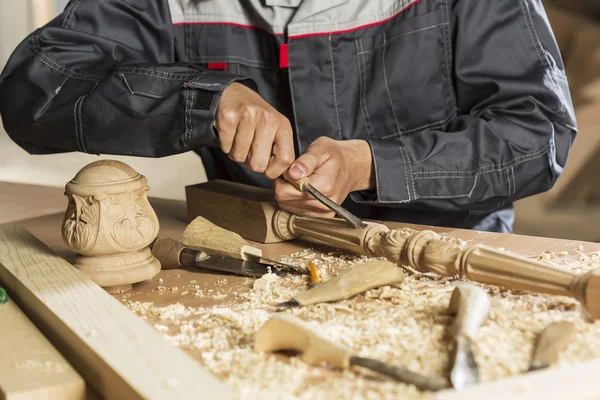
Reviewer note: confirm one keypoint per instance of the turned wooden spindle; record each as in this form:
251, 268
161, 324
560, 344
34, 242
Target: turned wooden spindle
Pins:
236, 207
109, 223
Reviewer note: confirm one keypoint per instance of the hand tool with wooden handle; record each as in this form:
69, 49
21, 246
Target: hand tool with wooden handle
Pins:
359, 279
550, 343
173, 254
286, 332
471, 304
304, 185
201, 234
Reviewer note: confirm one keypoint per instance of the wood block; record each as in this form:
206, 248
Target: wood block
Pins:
30, 367
118, 354
249, 210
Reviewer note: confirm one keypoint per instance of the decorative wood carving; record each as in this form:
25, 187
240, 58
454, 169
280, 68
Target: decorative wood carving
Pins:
109, 223
425, 251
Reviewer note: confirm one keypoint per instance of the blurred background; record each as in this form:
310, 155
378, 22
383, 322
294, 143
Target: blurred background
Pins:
571, 210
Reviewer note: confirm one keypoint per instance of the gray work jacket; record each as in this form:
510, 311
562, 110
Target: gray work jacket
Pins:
464, 103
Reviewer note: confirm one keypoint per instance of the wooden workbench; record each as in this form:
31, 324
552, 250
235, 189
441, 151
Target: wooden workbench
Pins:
40, 210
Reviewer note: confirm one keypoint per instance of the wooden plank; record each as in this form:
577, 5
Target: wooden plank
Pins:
574, 383
30, 367
118, 354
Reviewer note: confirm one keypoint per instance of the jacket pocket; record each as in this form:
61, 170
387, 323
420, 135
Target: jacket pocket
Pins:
405, 76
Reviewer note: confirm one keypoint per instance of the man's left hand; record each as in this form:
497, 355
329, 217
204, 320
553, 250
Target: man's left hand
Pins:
334, 167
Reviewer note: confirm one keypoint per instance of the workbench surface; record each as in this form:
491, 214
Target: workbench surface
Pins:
40, 210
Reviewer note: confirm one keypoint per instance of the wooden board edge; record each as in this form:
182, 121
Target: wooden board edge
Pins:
576, 382
119, 354
30, 366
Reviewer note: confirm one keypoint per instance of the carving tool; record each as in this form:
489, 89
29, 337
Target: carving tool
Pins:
173, 254
550, 343
201, 234
471, 304
286, 332
304, 185
350, 283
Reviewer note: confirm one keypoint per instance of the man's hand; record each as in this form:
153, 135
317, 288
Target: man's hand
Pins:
334, 167
253, 132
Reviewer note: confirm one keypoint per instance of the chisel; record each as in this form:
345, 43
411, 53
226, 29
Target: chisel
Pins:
173, 254
287, 332
304, 185
550, 343
356, 280
471, 304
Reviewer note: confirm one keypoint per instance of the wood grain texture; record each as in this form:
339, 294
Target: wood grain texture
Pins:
30, 367
243, 209
117, 353
214, 240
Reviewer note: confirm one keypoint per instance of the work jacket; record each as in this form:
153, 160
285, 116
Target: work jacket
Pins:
464, 103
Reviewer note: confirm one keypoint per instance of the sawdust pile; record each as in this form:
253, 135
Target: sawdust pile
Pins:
403, 325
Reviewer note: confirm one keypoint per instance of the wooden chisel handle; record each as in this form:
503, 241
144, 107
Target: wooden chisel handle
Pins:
173, 254
471, 304
286, 332
300, 184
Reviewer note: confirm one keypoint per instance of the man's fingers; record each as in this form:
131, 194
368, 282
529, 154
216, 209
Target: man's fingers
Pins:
282, 151
260, 150
305, 165
243, 139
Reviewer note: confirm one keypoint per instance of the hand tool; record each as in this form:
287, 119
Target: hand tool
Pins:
550, 343
471, 304
201, 234
304, 185
359, 279
287, 332
173, 254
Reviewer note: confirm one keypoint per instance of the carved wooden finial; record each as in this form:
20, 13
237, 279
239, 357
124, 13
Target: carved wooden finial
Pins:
109, 223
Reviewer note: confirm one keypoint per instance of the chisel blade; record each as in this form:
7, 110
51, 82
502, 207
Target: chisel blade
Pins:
304, 185
464, 371
333, 206
236, 266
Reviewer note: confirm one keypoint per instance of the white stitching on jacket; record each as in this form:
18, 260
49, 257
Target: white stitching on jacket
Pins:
491, 168
403, 34
421, 128
67, 21
133, 92
412, 181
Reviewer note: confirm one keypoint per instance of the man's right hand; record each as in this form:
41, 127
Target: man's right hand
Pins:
251, 131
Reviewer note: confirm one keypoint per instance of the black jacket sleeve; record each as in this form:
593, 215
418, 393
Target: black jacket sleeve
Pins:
514, 122
102, 78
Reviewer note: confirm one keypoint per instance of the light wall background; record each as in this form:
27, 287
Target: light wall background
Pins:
167, 177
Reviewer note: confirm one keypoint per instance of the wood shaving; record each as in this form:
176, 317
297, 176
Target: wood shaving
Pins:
404, 324
265, 281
